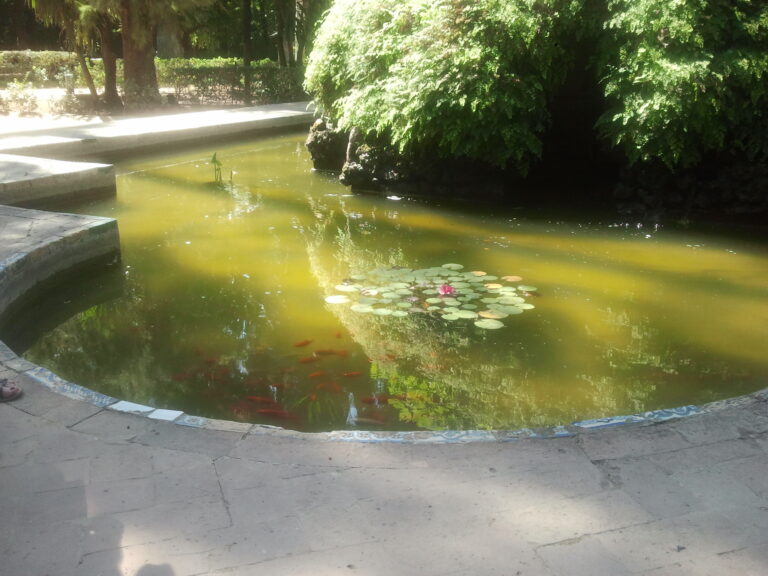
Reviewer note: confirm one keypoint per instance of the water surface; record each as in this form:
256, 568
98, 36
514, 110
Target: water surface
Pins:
218, 307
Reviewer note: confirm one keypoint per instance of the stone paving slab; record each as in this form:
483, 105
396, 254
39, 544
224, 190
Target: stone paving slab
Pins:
106, 139
118, 493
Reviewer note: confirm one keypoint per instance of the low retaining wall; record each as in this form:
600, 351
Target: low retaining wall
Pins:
35, 246
32, 182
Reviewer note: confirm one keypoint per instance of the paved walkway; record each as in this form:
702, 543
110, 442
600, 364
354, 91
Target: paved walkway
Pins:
87, 491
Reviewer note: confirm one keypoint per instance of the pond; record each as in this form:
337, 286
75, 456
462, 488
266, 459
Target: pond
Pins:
275, 296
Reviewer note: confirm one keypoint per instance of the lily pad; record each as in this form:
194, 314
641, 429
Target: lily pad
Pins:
511, 300
493, 314
477, 273
399, 313
382, 311
489, 324
526, 306
453, 266
466, 314
527, 288
347, 288
434, 300
364, 308
512, 278
510, 310
493, 286
450, 317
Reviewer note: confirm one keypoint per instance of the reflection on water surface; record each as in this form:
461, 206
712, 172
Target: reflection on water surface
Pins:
223, 310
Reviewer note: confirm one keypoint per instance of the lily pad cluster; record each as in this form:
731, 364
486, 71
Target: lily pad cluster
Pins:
445, 291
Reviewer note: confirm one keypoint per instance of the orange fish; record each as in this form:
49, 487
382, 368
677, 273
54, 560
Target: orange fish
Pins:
338, 334
318, 374
352, 374
261, 400
302, 343
308, 359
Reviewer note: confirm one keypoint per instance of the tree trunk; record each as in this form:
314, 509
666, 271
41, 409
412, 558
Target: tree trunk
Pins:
266, 48
247, 50
302, 29
111, 97
140, 76
282, 60
87, 75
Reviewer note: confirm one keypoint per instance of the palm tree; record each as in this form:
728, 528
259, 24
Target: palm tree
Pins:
66, 15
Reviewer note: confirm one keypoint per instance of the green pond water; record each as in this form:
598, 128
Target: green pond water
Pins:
277, 297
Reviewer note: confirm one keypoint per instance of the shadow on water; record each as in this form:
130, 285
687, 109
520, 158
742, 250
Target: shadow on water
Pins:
60, 298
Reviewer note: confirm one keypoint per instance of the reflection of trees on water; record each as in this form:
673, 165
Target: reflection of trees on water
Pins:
448, 375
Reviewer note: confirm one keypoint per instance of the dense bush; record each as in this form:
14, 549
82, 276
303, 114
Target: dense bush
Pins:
677, 81
452, 77
221, 80
684, 79
40, 68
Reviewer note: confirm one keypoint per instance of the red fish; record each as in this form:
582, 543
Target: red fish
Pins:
261, 400
211, 360
338, 334
318, 374
302, 343
308, 359
352, 374
325, 352
335, 387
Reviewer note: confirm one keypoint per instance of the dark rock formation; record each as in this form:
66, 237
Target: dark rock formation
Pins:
327, 146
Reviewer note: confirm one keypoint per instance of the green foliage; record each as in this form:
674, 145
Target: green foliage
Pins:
686, 77
21, 98
220, 80
40, 68
452, 77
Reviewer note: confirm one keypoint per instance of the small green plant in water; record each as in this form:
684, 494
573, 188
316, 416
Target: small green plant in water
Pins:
443, 291
216, 169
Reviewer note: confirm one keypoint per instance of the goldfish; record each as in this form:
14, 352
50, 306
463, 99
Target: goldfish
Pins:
260, 399
318, 374
331, 352
352, 374
308, 359
302, 343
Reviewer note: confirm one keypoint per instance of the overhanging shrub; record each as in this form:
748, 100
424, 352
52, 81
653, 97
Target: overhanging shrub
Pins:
467, 78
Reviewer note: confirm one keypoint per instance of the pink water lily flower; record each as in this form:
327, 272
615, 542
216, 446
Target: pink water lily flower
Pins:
446, 290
